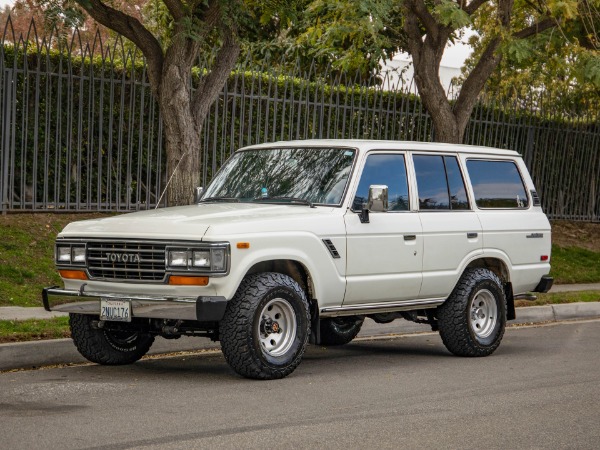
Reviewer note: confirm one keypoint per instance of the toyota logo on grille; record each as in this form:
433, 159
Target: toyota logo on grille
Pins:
123, 257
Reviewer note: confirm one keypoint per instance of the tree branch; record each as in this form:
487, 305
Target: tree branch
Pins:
473, 6
536, 28
418, 8
133, 30
176, 8
213, 82
474, 83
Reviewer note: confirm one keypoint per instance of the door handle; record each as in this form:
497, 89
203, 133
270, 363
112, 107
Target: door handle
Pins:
471, 235
410, 237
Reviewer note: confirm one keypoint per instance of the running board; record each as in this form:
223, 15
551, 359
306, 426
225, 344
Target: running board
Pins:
378, 308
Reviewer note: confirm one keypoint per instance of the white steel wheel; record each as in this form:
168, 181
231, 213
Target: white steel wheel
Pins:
483, 314
277, 327
472, 320
266, 326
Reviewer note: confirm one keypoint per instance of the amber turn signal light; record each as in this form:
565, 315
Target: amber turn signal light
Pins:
243, 245
73, 274
188, 281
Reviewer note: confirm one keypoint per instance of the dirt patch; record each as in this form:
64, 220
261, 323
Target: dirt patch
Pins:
576, 234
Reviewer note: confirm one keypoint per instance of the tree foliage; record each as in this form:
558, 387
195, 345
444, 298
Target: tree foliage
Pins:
563, 62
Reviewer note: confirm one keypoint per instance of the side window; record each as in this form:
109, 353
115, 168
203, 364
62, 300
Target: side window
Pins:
384, 169
440, 183
497, 184
431, 182
456, 184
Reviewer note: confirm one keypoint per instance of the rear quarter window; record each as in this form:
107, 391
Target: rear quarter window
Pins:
497, 184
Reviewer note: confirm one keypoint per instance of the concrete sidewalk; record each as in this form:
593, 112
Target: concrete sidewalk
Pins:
24, 355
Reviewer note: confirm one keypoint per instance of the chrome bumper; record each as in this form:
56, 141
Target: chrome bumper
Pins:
205, 309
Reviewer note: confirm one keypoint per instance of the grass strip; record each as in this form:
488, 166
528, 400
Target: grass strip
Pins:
34, 329
571, 265
561, 297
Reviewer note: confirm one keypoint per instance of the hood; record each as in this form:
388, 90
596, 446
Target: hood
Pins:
189, 222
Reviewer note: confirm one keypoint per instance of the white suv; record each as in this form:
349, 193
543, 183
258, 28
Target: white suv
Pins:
298, 241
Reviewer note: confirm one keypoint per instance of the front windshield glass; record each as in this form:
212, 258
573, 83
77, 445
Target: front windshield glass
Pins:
314, 175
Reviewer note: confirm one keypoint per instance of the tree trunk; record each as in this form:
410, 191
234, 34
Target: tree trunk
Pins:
182, 136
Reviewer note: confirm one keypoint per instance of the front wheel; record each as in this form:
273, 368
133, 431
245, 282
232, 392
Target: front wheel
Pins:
266, 327
473, 318
105, 346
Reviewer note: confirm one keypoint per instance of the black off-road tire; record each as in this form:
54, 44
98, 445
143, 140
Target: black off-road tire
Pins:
340, 330
107, 347
247, 329
472, 320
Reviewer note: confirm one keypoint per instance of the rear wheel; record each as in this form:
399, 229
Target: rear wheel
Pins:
105, 346
473, 319
340, 330
266, 326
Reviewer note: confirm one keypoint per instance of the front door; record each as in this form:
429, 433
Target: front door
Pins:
385, 255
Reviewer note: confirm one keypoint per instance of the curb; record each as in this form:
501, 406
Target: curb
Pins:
35, 354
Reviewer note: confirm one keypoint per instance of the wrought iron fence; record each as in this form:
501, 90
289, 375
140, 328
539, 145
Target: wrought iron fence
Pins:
80, 131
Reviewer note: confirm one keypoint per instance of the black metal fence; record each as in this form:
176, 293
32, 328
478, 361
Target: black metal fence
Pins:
80, 131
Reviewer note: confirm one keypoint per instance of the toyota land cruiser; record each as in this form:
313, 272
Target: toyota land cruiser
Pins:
300, 241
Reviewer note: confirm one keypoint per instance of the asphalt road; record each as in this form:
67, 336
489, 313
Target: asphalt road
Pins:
541, 389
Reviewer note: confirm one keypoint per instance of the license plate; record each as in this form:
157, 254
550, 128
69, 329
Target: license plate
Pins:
115, 310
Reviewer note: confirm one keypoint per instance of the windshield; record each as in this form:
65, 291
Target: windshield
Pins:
311, 175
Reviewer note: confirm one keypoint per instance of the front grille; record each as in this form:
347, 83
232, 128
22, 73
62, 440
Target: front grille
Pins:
126, 261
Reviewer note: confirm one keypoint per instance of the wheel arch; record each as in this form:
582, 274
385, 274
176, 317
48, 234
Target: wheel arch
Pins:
500, 268
496, 265
290, 267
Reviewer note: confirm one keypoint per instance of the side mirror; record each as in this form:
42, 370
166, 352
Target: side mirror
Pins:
378, 202
198, 194
378, 198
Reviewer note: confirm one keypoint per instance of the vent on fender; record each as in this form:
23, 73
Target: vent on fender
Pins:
331, 248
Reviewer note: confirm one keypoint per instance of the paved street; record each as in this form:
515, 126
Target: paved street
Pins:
539, 390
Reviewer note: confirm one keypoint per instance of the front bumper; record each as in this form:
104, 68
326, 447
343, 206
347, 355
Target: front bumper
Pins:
204, 309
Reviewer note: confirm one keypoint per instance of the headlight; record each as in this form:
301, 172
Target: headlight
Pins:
70, 254
202, 259
178, 258
63, 254
78, 254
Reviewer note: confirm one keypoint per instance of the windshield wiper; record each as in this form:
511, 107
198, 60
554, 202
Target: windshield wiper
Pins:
220, 199
292, 200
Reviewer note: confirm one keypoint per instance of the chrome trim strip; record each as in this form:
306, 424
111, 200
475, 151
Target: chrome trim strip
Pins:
377, 308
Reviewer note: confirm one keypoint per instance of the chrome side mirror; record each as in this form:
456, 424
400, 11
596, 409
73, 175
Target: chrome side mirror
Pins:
378, 198
198, 194
377, 202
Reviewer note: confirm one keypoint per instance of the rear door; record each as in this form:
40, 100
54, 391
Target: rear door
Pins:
451, 228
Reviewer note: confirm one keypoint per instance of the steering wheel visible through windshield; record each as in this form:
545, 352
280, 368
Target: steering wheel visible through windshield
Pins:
308, 175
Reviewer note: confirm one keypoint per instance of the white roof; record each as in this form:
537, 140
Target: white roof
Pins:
363, 145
